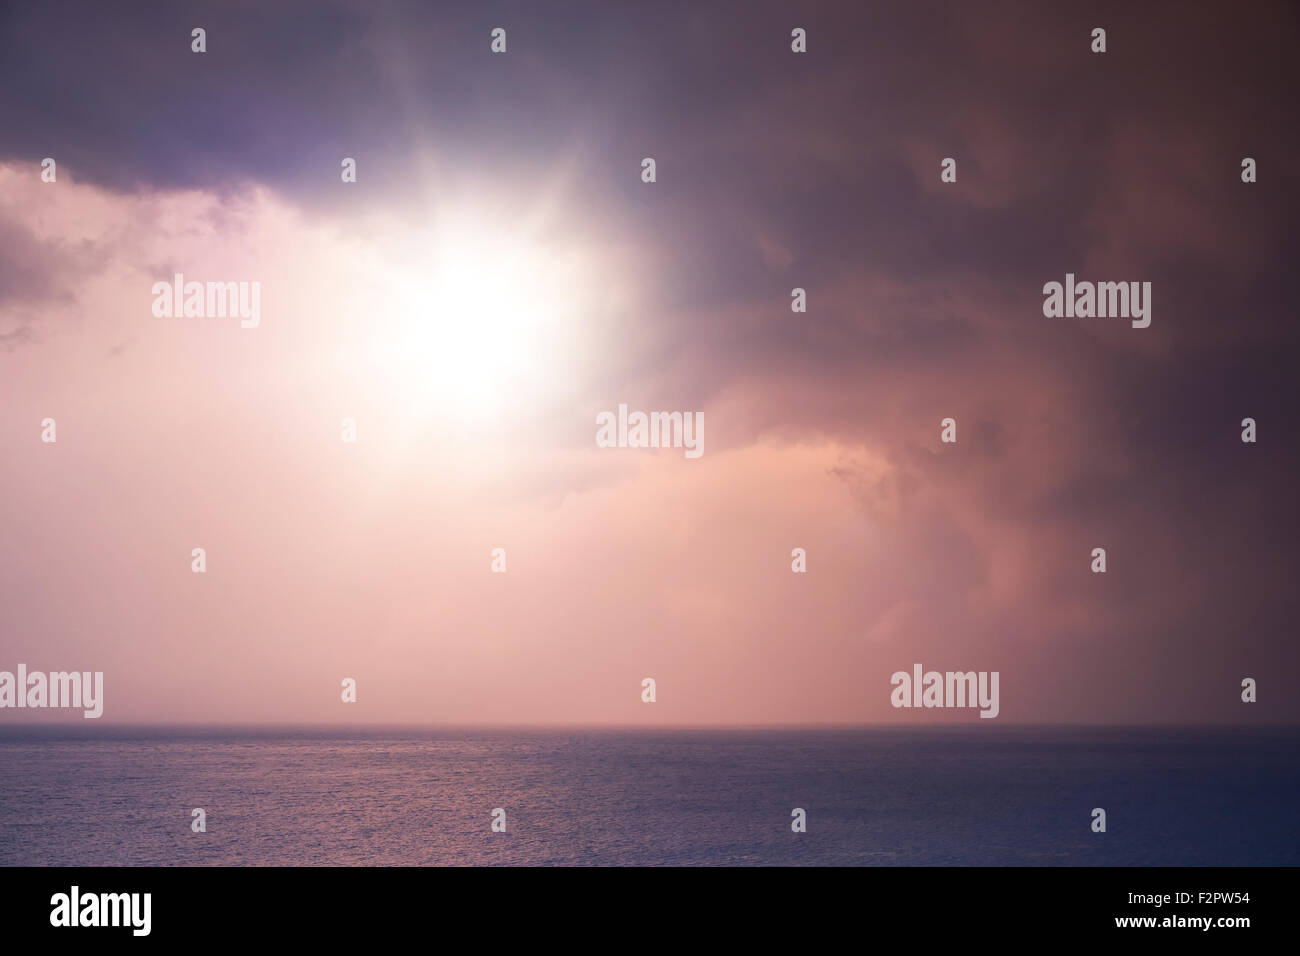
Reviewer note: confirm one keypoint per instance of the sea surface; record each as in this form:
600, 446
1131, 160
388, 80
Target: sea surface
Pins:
874, 797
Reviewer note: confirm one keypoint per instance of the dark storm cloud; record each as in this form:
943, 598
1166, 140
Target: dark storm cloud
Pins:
836, 153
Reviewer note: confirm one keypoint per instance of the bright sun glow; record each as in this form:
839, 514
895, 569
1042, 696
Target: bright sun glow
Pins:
468, 315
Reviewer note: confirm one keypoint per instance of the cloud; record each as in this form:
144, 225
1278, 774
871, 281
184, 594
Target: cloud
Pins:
371, 560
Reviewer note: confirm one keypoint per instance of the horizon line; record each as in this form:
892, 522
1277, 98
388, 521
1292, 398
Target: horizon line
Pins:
562, 726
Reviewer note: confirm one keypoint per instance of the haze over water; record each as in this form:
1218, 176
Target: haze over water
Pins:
406, 796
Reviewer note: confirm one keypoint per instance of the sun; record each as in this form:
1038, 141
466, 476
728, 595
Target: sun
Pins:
469, 312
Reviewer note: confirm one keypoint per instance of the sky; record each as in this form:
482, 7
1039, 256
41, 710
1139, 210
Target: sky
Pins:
500, 274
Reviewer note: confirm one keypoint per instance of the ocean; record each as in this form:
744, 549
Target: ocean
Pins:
1004, 796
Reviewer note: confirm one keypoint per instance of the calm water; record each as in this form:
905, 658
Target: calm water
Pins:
875, 797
